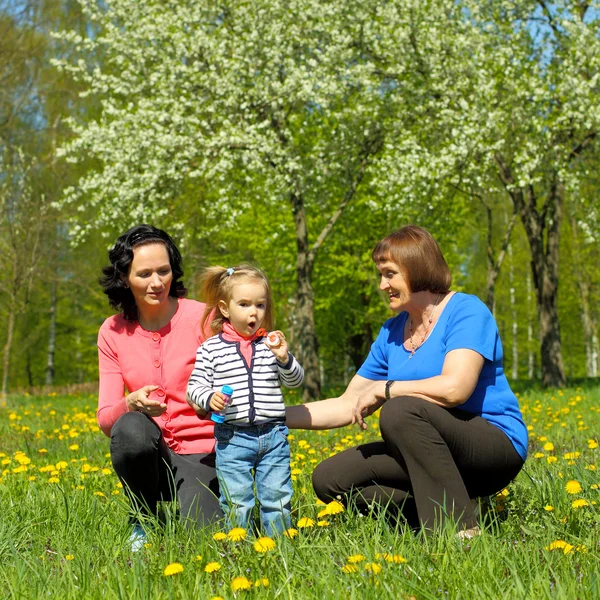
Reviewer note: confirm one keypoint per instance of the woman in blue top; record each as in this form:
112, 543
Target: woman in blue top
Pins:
451, 427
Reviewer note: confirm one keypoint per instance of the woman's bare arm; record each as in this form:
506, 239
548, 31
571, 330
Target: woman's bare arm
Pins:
330, 413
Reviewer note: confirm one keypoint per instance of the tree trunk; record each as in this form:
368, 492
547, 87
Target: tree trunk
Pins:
10, 328
515, 321
305, 333
530, 353
544, 266
587, 323
51, 334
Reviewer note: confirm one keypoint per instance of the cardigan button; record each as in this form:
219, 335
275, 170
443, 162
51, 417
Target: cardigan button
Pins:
156, 337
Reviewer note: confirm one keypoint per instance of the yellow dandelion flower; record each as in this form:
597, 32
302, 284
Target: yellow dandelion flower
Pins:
53, 480
264, 582
539, 455
551, 459
237, 534
69, 557
240, 583
573, 487
349, 569
212, 567
217, 598
503, 493
99, 494
264, 544
290, 533
571, 455
198, 557
62, 464
322, 513
334, 507
592, 444
306, 522
579, 503
560, 545
42, 451
590, 467
356, 558
74, 447
548, 508
373, 568
395, 558
173, 569
548, 446
106, 471
322, 523
219, 536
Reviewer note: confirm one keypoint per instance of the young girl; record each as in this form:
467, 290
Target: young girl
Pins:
252, 446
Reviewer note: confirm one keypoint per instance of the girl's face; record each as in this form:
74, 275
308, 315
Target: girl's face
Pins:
247, 307
150, 275
393, 282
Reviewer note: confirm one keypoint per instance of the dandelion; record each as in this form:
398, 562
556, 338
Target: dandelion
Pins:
306, 522
573, 487
551, 459
264, 544
212, 567
237, 534
198, 557
53, 480
217, 598
322, 523
539, 455
592, 444
548, 508
349, 569
290, 533
69, 557
74, 447
580, 503
560, 545
548, 446
106, 471
173, 569
356, 558
373, 568
264, 582
219, 536
395, 558
240, 583
571, 455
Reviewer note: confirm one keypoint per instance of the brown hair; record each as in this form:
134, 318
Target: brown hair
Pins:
419, 257
216, 284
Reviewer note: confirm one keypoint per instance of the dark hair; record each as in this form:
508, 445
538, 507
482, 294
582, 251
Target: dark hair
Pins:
419, 256
121, 256
217, 283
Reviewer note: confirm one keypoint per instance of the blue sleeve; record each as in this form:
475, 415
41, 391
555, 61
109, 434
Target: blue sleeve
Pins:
375, 366
473, 327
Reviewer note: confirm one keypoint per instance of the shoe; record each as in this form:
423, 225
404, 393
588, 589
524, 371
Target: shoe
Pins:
138, 538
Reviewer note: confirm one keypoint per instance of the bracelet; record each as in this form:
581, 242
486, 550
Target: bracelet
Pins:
388, 385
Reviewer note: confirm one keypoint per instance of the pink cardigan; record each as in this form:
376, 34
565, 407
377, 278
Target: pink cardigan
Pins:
132, 357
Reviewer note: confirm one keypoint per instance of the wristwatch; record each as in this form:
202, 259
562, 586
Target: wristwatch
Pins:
388, 385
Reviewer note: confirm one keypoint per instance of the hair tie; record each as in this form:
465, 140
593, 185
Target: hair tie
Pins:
229, 271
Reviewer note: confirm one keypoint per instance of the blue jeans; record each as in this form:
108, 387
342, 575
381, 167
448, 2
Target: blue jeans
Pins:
255, 454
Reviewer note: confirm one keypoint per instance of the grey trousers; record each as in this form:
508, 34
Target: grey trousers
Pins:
151, 472
431, 463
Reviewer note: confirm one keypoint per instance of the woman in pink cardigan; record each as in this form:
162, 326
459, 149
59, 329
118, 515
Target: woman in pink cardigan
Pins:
160, 448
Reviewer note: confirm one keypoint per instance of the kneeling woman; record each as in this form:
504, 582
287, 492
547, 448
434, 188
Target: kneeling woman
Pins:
159, 448
451, 427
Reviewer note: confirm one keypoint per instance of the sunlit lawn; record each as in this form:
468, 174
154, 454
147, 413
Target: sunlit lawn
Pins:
63, 522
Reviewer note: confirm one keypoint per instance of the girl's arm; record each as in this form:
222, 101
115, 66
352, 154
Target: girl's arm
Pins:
330, 413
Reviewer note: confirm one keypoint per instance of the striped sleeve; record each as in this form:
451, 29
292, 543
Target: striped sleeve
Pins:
292, 373
200, 385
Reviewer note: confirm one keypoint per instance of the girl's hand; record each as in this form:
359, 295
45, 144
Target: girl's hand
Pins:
140, 401
280, 348
217, 403
367, 404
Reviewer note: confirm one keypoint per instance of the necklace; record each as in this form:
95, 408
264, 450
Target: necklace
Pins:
414, 346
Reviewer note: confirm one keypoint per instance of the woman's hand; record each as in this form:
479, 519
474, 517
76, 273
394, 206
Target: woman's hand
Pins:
368, 402
140, 401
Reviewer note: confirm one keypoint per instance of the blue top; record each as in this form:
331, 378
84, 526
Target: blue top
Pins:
465, 322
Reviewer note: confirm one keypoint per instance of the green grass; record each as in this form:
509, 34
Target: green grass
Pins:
63, 522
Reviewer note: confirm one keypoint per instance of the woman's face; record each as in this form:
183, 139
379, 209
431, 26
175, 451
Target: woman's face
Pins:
393, 282
150, 275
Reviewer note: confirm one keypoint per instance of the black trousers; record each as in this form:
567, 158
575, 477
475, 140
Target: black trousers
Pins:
151, 472
431, 463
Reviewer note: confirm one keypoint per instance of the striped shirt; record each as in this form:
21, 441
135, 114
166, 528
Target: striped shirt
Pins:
257, 396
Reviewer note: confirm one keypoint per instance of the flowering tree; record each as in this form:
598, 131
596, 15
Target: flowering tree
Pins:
506, 101
265, 102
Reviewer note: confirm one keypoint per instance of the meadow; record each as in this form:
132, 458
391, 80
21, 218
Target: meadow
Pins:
64, 531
